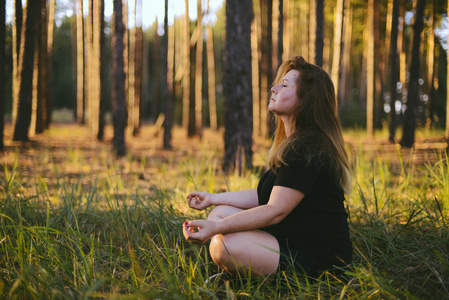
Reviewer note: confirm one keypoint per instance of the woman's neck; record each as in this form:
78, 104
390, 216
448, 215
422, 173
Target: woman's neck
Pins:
289, 127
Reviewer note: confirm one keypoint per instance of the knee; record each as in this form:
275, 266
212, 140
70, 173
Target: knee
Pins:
219, 252
220, 212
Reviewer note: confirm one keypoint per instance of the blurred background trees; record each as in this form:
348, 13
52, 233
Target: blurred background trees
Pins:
387, 74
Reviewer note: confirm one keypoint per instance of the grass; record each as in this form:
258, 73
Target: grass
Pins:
75, 223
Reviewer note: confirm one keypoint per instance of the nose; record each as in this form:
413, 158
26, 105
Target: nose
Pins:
274, 89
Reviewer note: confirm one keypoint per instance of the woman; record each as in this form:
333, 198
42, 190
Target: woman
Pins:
296, 216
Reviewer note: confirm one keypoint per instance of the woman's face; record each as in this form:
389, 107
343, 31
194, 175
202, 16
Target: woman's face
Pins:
283, 96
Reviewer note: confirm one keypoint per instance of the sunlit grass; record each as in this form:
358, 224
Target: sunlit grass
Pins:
76, 223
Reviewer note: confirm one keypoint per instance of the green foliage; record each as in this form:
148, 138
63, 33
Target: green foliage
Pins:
83, 225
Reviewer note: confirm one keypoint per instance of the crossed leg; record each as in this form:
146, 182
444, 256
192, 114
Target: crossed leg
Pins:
254, 250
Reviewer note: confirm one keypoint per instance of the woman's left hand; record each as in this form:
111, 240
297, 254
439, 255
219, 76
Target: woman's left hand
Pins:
199, 231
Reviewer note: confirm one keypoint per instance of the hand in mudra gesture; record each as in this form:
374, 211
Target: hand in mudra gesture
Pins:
199, 200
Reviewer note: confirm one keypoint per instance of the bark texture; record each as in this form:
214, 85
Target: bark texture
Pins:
237, 86
408, 129
119, 110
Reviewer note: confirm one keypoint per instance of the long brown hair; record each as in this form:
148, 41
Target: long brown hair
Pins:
316, 110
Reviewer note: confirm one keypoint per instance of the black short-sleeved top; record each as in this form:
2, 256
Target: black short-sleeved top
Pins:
318, 224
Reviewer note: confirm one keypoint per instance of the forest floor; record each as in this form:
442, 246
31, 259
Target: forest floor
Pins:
148, 144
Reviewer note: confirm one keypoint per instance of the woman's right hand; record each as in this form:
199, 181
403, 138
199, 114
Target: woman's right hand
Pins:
200, 200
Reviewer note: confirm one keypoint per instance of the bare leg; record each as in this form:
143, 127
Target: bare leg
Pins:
253, 250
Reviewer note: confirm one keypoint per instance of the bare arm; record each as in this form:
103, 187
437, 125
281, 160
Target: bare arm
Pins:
242, 199
282, 201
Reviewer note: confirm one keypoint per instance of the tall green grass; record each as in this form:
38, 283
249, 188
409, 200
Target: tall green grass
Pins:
80, 227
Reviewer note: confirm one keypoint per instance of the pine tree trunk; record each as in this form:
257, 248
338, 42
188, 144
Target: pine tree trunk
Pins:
96, 73
199, 72
156, 73
2, 71
304, 29
186, 64
345, 91
338, 25
431, 67
138, 68
393, 69
74, 57
255, 74
266, 65
89, 77
379, 66
447, 89
319, 38
312, 30
288, 25
37, 74
401, 47
131, 80
280, 44
50, 36
237, 86
79, 63
119, 113
370, 69
167, 83
26, 64
16, 45
211, 75
408, 129
102, 71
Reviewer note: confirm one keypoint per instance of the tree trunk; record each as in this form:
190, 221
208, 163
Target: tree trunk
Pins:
79, 63
345, 91
119, 112
379, 66
2, 71
211, 75
255, 73
26, 64
101, 88
275, 36
156, 73
447, 85
90, 75
393, 66
266, 65
303, 29
39, 96
431, 67
95, 59
131, 79
74, 57
199, 72
288, 25
319, 38
408, 129
138, 68
338, 25
167, 83
312, 30
370, 69
237, 86
402, 48
186, 64
280, 33
16, 45
50, 34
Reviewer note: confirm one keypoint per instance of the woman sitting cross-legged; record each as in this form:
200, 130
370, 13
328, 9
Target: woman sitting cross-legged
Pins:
296, 216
